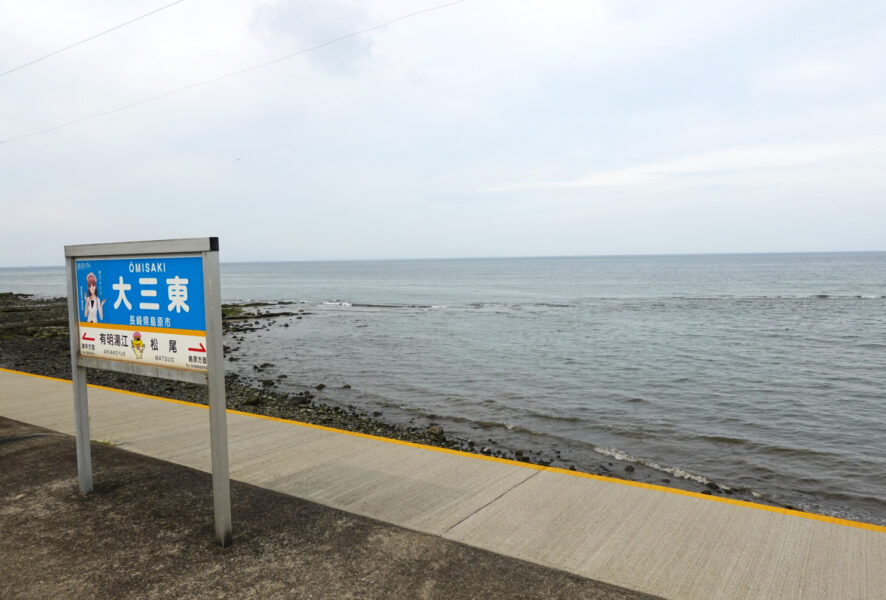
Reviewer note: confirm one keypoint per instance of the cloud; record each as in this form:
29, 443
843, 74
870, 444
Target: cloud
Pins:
765, 157
53, 212
306, 23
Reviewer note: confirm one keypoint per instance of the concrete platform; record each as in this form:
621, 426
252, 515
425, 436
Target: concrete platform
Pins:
661, 541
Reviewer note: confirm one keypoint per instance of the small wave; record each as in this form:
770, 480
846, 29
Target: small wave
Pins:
394, 306
768, 449
557, 418
673, 471
721, 439
377, 305
639, 302
634, 400
495, 425
751, 297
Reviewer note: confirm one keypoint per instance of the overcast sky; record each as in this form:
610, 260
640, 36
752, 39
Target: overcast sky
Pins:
488, 128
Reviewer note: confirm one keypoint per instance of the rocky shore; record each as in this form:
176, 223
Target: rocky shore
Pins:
34, 339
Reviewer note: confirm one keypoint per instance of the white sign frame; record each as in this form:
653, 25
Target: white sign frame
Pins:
213, 377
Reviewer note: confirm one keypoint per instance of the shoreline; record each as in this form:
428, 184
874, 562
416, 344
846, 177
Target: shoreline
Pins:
34, 338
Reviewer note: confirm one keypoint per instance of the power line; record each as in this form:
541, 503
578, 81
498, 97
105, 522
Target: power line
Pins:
92, 37
231, 74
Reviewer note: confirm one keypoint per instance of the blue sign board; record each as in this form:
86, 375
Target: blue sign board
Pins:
159, 293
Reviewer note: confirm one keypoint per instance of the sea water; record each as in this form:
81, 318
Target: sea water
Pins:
760, 372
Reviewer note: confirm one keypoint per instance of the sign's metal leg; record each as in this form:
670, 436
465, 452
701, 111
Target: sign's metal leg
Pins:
78, 375
81, 426
218, 423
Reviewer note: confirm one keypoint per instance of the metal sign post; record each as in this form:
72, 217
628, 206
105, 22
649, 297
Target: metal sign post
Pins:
153, 309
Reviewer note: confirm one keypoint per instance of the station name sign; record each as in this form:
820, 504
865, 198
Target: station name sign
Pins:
145, 310
152, 309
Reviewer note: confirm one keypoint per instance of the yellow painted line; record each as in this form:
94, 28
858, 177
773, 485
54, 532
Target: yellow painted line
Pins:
35, 375
637, 484
194, 332
109, 389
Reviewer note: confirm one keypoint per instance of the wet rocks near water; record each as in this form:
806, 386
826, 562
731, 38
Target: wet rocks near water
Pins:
302, 398
435, 431
239, 318
34, 339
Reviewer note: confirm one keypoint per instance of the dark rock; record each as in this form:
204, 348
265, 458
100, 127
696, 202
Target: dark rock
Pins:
319, 386
630, 468
268, 382
346, 386
435, 430
712, 486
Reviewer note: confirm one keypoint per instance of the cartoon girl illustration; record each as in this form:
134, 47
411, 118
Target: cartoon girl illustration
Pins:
93, 304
